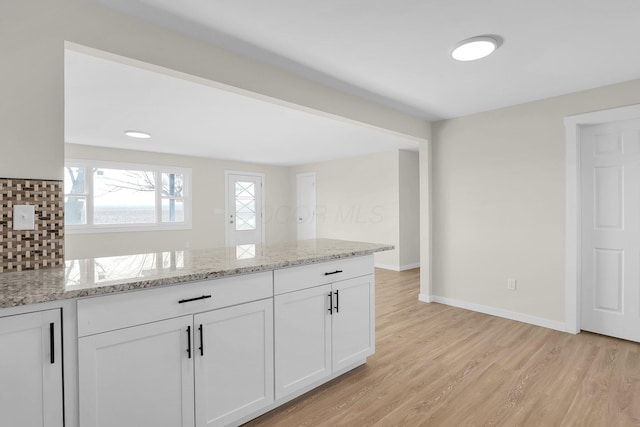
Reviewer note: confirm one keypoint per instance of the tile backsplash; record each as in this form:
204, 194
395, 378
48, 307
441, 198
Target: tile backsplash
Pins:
42, 247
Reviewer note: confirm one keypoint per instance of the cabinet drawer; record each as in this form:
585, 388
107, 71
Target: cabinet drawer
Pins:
296, 278
106, 313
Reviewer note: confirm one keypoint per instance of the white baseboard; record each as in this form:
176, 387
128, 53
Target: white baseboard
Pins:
398, 268
425, 298
512, 315
410, 266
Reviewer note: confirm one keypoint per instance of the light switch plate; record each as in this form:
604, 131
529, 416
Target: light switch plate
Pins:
24, 217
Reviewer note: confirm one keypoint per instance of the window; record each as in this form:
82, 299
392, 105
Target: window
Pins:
101, 196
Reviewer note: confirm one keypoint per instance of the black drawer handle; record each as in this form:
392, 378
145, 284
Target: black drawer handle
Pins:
189, 341
201, 340
52, 346
333, 272
182, 301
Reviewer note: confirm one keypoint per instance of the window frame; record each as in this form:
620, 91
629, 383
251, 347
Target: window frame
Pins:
158, 170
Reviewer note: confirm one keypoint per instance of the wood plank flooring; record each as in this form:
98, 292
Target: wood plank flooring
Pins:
443, 366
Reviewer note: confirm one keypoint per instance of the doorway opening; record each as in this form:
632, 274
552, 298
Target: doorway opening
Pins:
574, 213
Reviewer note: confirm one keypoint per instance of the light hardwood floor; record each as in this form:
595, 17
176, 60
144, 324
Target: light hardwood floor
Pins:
442, 366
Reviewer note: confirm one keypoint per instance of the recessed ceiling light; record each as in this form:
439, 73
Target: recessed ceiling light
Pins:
475, 48
137, 134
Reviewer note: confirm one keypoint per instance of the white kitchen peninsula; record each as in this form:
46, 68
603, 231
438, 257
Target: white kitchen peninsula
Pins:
192, 338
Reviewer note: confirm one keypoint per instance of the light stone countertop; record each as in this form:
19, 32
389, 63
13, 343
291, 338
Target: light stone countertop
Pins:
98, 276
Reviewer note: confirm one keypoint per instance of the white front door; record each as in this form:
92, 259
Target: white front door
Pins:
610, 236
244, 219
306, 205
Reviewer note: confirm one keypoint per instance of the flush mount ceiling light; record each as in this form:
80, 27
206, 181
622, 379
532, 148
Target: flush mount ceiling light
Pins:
475, 48
137, 134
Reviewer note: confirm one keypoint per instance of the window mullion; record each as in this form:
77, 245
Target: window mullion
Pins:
88, 171
158, 186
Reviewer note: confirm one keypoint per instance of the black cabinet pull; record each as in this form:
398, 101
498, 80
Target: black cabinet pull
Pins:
189, 341
333, 272
182, 301
337, 292
52, 346
330, 295
201, 348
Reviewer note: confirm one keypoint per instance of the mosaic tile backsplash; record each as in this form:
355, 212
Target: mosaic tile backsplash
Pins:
35, 249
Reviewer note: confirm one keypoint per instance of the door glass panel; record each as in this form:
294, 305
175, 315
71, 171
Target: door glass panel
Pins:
245, 196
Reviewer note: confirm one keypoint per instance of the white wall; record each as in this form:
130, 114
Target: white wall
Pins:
498, 202
208, 194
409, 206
368, 198
360, 199
32, 36
357, 199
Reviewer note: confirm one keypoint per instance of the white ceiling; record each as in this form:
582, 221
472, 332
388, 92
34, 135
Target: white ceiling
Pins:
397, 52
104, 98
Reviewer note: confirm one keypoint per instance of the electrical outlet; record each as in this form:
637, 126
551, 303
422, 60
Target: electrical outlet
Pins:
24, 217
511, 284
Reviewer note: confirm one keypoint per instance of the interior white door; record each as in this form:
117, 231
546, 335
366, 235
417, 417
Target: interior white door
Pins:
30, 375
306, 205
244, 216
610, 222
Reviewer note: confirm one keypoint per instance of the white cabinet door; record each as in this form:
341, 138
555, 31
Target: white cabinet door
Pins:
302, 338
353, 325
31, 370
233, 362
138, 376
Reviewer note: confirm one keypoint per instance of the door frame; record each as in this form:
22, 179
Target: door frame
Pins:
226, 201
573, 203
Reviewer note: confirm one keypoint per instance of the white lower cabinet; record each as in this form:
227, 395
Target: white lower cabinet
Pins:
222, 351
303, 338
207, 368
321, 330
137, 376
353, 321
234, 369
31, 370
